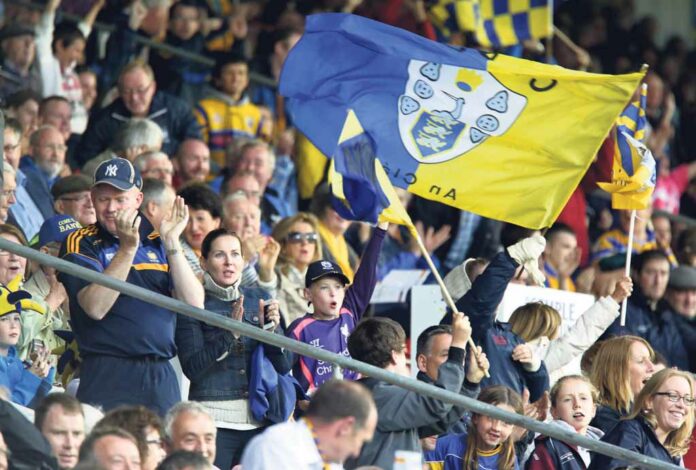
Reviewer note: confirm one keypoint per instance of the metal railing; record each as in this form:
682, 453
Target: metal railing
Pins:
254, 77
345, 362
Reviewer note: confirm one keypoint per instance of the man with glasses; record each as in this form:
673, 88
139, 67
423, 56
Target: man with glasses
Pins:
46, 154
7, 197
155, 165
56, 111
72, 197
34, 202
138, 97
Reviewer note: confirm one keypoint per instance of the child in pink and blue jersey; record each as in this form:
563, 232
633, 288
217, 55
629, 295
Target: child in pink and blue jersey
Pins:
336, 311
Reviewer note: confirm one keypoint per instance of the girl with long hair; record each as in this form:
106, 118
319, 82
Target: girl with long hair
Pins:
573, 405
660, 423
621, 367
488, 442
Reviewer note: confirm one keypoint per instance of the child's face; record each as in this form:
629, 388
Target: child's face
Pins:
574, 405
327, 296
10, 328
492, 432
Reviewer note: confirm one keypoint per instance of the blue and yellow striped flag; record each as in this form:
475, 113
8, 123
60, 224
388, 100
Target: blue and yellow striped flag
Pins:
634, 173
360, 186
496, 23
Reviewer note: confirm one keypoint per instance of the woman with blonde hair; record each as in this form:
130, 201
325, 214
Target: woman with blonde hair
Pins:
660, 423
620, 369
300, 245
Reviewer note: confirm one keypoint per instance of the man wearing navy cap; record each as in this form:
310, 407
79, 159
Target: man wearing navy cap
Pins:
125, 343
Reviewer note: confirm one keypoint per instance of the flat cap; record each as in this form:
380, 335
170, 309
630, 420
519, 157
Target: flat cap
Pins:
683, 278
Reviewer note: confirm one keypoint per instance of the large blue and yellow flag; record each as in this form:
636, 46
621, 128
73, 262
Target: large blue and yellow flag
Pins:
633, 174
360, 186
502, 137
496, 23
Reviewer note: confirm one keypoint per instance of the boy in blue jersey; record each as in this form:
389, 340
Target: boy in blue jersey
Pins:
336, 311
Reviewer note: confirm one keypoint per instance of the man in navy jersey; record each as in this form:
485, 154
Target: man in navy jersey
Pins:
126, 343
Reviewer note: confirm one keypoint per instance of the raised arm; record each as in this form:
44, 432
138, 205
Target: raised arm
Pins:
487, 291
360, 292
588, 328
187, 287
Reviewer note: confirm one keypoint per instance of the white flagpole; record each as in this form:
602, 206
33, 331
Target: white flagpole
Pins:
629, 252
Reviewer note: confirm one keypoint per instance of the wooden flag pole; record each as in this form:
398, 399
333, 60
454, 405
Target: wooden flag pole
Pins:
443, 288
629, 252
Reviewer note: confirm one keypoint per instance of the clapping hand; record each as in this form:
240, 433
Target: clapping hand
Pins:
127, 226
173, 225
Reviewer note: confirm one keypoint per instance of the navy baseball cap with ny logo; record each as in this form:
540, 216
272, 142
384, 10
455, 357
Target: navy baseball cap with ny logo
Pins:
119, 173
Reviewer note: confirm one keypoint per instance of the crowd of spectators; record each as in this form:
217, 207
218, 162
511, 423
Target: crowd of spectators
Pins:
179, 170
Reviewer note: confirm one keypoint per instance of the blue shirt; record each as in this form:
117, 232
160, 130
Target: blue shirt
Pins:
132, 327
22, 384
26, 163
25, 211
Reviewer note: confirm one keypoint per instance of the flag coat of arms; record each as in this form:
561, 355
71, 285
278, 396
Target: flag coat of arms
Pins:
502, 137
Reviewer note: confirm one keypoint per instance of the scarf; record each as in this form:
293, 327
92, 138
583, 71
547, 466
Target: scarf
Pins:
222, 293
338, 248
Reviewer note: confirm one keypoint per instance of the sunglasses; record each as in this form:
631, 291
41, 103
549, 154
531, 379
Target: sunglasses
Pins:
298, 237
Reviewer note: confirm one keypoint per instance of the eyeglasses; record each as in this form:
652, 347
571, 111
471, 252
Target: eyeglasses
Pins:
298, 237
135, 91
10, 147
55, 147
674, 397
154, 442
82, 198
8, 193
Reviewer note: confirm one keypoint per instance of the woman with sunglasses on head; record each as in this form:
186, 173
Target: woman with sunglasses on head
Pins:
300, 245
660, 422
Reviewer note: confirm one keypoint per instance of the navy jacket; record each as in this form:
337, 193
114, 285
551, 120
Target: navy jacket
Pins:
687, 330
606, 418
496, 339
169, 112
201, 346
658, 327
635, 435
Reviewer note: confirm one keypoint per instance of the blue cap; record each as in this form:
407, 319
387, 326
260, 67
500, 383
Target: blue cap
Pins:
119, 173
323, 268
57, 229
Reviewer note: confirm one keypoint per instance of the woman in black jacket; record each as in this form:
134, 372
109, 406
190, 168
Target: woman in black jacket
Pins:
660, 423
217, 361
